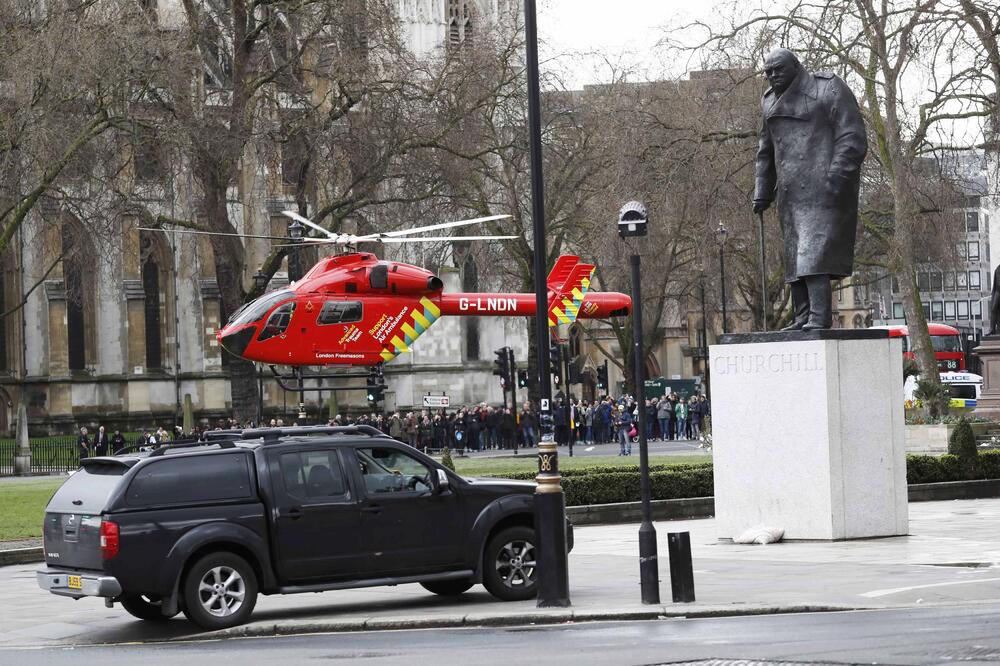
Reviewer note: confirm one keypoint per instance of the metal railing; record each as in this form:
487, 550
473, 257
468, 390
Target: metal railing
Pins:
49, 455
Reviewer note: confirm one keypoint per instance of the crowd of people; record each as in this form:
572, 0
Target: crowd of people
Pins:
483, 427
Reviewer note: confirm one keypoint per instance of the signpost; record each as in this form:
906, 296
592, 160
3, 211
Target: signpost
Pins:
436, 401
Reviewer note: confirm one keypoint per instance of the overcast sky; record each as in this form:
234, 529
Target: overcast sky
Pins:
628, 29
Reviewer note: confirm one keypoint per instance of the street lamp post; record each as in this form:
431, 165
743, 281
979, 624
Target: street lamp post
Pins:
632, 222
295, 232
260, 280
550, 504
721, 233
703, 347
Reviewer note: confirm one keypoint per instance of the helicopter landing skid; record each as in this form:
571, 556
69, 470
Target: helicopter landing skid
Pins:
296, 381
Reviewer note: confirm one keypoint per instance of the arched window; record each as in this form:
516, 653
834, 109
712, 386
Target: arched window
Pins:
460, 15
575, 340
470, 285
155, 264
859, 321
151, 289
77, 295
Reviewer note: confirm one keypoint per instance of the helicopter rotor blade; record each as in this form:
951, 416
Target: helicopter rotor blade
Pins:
422, 239
309, 223
433, 239
212, 233
433, 227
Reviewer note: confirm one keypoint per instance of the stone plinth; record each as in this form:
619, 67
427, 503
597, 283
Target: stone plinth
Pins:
988, 404
807, 432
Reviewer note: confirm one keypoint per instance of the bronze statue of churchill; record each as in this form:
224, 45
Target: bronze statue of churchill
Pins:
812, 144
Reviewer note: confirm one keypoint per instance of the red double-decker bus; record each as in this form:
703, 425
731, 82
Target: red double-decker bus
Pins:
947, 343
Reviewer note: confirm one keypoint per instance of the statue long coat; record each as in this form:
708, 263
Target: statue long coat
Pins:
813, 135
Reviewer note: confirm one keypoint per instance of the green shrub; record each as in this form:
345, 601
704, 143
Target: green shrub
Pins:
446, 459
962, 444
934, 396
989, 464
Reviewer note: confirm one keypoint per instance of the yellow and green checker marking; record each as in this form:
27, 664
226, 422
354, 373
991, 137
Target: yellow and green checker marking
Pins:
571, 303
422, 317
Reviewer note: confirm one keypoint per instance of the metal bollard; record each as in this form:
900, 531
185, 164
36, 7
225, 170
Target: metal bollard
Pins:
681, 572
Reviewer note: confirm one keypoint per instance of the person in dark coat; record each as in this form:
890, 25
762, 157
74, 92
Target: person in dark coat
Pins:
117, 442
507, 429
83, 444
812, 144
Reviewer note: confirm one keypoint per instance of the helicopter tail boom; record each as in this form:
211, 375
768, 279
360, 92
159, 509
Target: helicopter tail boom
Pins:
593, 305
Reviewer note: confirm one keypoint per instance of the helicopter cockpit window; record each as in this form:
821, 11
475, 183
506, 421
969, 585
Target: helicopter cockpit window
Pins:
339, 312
278, 322
255, 310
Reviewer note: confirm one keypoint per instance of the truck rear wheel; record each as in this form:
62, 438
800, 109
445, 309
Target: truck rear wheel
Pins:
145, 607
510, 572
220, 591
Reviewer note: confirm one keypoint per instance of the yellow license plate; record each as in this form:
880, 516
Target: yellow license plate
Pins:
74, 583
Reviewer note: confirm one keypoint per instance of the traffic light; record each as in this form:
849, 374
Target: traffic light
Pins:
502, 365
555, 362
522, 379
602, 376
376, 385
376, 393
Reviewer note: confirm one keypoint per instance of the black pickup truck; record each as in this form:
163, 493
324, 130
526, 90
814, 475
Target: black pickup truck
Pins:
205, 527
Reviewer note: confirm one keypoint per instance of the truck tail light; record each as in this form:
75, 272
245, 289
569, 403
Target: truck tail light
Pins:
109, 539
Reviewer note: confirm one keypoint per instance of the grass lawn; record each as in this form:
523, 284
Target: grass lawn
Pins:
23, 503
527, 462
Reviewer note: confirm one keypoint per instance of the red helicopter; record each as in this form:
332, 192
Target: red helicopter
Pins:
356, 309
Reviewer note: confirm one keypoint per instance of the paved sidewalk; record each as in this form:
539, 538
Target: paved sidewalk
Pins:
952, 556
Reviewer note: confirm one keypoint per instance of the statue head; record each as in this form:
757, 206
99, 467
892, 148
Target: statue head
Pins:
781, 67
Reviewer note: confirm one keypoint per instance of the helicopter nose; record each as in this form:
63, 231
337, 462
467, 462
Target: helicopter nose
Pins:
236, 343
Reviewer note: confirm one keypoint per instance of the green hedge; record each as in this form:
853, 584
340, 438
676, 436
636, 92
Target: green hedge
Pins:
934, 469
609, 485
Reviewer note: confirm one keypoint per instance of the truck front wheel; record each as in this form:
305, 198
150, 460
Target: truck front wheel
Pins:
220, 591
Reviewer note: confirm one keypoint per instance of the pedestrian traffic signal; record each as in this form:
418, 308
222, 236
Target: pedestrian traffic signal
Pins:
522, 379
602, 376
502, 365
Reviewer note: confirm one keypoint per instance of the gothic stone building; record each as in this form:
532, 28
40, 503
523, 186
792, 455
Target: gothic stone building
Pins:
121, 330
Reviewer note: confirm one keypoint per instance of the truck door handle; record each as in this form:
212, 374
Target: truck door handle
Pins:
294, 513
374, 508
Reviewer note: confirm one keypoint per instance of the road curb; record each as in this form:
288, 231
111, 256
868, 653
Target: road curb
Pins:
531, 618
20, 556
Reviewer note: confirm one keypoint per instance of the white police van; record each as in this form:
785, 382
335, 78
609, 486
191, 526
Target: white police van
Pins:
964, 388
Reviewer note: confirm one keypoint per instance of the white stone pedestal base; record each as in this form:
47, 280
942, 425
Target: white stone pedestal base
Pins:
807, 434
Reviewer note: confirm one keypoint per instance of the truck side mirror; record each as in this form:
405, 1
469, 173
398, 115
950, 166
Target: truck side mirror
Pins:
442, 481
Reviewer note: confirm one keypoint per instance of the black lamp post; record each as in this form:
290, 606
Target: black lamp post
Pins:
296, 230
721, 234
550, 503
632, 223
260, 280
